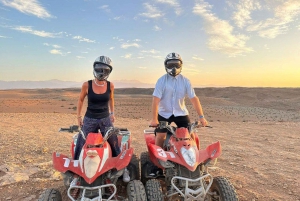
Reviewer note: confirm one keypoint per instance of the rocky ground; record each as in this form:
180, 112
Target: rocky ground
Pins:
259, 130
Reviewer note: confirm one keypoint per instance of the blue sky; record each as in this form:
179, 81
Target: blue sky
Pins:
222, 43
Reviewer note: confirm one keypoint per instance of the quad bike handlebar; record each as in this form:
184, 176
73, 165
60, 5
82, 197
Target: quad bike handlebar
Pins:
110, 131
191, 127
71, 129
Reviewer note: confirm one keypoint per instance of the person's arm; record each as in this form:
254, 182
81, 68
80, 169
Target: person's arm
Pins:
112, 102
82, 96
197, 105
155, 103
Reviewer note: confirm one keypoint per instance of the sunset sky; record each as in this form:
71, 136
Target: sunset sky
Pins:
248, 43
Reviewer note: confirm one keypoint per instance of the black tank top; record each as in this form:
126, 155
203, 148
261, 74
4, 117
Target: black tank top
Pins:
97, 103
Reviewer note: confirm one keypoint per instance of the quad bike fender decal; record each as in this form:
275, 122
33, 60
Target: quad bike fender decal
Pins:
124, 158
62, 164
158, 152
119, 162
211, 152
104, 157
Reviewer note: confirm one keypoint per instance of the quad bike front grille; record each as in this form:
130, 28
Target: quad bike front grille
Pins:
186, 173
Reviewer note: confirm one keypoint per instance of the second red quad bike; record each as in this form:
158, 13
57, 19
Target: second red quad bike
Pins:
98, 174
183, 168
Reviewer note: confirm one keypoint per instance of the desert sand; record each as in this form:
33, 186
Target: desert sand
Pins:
259, 130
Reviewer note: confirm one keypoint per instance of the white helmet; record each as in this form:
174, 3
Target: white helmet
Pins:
173, 64
102, 67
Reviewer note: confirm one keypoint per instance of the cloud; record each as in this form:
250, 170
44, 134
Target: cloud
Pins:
118, 39
28, 29
81, 39
157, 28
243, 14
127, 56
80, 57
30, 7
127, 45
191, 70
105, 8
142, 67
195, 57
153, 51
55, 46
152, 11
156, 56
284, 13
111, 48
55, 51
266, 47
172, 3
221, 37
3, 36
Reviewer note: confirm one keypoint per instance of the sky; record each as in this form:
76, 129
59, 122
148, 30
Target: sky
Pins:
248, 43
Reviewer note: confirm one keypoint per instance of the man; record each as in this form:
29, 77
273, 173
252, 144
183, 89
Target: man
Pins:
169, 98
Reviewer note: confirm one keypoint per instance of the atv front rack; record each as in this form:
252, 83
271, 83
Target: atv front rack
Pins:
189, 194
100, 189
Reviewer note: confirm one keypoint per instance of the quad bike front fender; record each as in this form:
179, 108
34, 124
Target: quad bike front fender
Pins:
123, 159
63, 164
158, 152
211, 152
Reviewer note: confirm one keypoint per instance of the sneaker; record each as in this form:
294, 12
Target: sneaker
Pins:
156, 171
126, 177
74, 182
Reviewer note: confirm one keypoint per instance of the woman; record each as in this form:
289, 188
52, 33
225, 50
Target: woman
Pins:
100, 109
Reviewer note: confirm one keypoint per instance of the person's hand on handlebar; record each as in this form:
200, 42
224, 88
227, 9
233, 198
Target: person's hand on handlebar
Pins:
154, 123
203, 122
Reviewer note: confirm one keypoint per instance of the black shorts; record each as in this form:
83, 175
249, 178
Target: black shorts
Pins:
180, 121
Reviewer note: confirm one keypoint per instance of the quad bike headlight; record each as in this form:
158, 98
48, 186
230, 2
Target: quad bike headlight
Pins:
189, 155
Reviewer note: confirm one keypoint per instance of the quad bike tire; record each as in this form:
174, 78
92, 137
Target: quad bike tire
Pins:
224, 189
154, 190
146, 164
136, 191
50, 194
134, 168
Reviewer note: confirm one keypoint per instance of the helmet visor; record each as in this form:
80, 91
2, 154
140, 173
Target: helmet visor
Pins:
173, 64
101, 71
102, 68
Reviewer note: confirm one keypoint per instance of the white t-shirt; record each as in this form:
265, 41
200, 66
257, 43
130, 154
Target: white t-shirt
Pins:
172, 92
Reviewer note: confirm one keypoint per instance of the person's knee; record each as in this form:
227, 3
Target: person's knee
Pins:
161, 136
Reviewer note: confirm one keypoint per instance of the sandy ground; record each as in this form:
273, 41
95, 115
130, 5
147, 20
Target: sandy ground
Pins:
259, 130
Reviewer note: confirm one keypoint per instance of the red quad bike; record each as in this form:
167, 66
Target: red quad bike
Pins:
99, 173
183, 168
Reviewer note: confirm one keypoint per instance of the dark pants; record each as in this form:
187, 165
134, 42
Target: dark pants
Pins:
91, 125
180, 121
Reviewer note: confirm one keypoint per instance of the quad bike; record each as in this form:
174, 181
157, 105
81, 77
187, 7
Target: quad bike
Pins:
182, 167
99, 174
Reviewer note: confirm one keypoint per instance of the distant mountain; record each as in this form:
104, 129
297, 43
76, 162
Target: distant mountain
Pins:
51, 84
